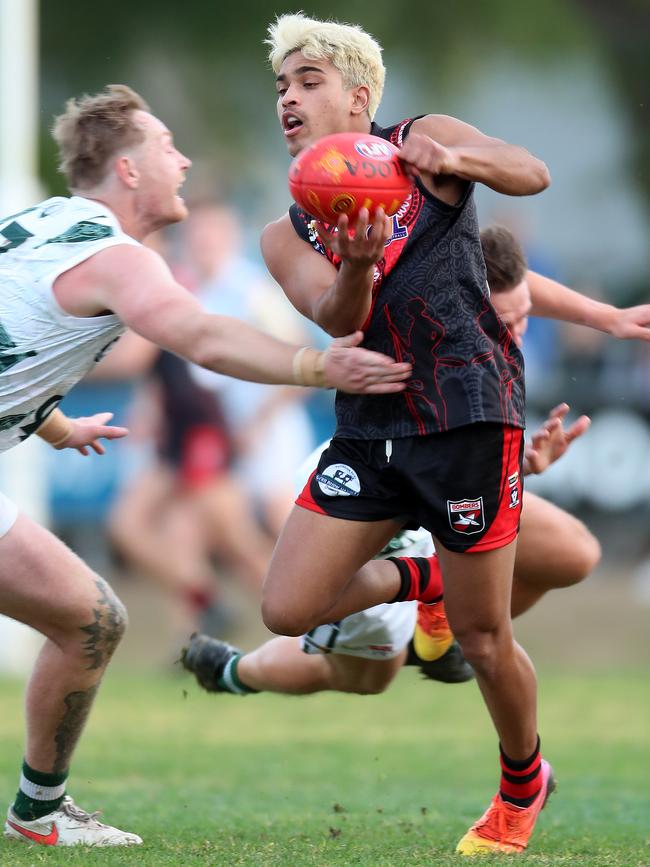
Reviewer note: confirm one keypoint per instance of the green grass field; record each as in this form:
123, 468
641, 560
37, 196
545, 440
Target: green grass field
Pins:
329, 780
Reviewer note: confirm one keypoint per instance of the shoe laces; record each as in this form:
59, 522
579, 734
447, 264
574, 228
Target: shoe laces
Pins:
71, 809
502, 822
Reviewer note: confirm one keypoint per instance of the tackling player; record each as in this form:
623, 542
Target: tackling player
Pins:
74, 274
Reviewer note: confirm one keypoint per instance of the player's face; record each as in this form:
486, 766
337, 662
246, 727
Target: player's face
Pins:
161, 172
312, 101
513, 306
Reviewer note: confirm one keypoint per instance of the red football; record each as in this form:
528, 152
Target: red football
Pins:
347, 171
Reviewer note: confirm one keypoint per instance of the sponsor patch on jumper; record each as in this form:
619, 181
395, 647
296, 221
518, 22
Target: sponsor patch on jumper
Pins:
339, 480
466, 516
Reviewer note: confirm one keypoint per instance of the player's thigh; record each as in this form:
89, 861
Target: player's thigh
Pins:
44, 584
315, 557
363, 676
477, 587
554, 547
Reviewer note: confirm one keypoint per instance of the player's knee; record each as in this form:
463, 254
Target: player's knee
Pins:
361, 685
357, 681
94, 628
116, 620
362, 689
587, 553
105, 631
581, 554
281, 620
369, 687
480, 649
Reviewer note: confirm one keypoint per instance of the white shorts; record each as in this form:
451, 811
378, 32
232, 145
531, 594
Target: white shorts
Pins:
381, 632
8, 514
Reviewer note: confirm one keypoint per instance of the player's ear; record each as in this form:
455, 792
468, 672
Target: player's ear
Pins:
360, 99
127, 172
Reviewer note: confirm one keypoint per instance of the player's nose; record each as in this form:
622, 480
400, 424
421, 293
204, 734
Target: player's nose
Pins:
289, 97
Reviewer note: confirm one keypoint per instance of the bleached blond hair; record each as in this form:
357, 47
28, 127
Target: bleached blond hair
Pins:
351, 50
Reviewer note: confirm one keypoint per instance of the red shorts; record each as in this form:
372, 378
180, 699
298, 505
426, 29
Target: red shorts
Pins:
463, 485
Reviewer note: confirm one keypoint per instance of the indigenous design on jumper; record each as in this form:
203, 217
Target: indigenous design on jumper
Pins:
431, 307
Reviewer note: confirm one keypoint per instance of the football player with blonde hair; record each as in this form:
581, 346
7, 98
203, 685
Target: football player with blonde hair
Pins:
351, 50
447, 454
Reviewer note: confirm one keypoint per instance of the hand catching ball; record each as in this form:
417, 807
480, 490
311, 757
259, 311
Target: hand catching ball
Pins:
347, 171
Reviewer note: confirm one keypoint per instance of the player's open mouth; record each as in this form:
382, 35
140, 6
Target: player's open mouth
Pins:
291, 124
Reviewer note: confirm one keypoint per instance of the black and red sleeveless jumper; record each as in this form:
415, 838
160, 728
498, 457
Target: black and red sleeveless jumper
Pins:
431, 307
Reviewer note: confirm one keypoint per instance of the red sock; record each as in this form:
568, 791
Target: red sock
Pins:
421, 579
521, 781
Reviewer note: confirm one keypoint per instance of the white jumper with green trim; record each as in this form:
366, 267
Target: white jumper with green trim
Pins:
44, 351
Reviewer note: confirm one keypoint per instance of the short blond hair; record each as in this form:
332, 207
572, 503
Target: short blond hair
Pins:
92, 129
351, 50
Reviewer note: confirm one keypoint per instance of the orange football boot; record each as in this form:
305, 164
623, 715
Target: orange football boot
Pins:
505, 827
432, 637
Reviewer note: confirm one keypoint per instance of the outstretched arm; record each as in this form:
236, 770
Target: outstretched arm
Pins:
553, 300
63, 432
551, 441
136, 284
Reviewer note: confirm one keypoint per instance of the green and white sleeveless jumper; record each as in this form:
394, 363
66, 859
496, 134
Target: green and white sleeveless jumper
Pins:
44, 351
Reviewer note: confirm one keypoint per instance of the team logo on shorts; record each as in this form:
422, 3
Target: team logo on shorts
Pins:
466, 516
513, 484
339, 480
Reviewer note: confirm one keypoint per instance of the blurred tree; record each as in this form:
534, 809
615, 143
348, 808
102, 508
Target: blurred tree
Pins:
623, 30
203, 65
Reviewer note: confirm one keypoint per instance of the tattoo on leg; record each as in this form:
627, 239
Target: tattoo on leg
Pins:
105, 631
77, 706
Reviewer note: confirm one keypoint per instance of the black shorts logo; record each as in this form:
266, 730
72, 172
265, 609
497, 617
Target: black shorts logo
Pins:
466, 516
339, 480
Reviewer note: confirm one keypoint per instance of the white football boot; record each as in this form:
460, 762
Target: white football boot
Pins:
68, 825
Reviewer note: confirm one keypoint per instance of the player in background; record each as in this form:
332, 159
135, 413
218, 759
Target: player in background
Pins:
363, 652
74, 274
452, 445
